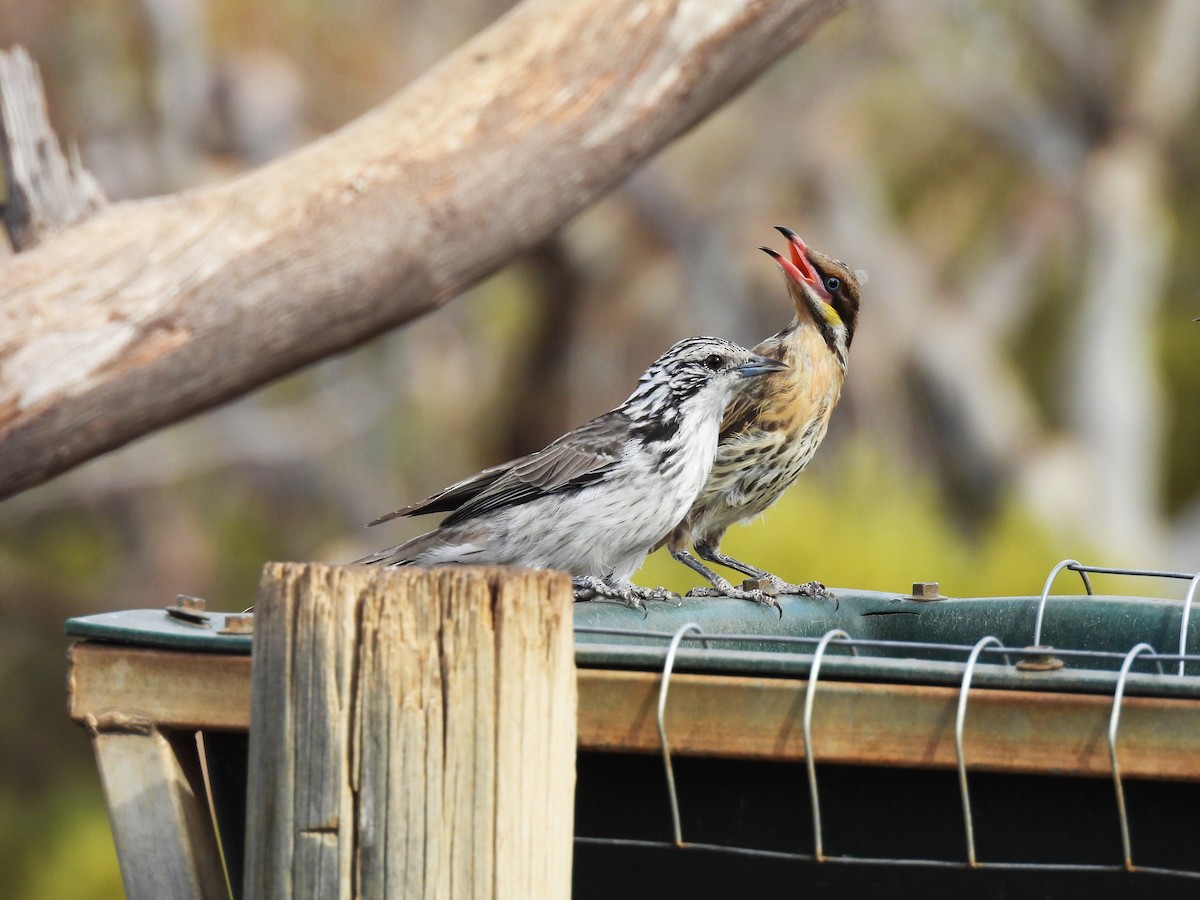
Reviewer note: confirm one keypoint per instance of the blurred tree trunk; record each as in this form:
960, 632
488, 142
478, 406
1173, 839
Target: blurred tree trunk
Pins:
1099, 136
540, 415
151, 311
1116, 396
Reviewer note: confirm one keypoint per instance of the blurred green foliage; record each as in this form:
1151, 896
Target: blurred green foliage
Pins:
60, 845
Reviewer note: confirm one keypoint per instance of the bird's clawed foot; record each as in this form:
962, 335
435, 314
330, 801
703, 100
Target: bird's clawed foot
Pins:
658, 593
764, 591
755, 590
589, 587
813, 589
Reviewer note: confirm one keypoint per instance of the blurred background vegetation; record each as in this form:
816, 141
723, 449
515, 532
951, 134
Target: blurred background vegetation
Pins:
1022, 181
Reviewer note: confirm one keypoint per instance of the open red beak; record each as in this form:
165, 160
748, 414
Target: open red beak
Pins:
799, 253
798, 268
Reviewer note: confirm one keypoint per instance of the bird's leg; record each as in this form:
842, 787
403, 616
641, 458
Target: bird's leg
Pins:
814, 589
590, 587
720, 586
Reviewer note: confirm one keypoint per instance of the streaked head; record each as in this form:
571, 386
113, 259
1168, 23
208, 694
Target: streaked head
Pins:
703, 371
824, 290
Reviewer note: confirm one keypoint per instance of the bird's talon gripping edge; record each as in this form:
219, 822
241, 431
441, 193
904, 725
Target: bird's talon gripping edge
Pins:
762, 598
812, 589
589, 587
658, 593
764, 590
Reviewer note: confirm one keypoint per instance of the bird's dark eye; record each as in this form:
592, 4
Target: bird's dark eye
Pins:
714, 361
832, 283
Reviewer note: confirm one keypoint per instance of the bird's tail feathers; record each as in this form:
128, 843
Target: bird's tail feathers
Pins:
390, 557
405, 554
441, 545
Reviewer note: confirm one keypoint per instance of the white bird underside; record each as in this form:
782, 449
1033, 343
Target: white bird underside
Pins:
603, 529
734, 492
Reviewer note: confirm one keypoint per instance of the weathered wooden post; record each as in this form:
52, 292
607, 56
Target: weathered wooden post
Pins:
412, 733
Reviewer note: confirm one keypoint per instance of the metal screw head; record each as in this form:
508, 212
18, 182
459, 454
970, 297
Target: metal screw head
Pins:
187, 601
189, 609
1044, 661
238, 623
924, 591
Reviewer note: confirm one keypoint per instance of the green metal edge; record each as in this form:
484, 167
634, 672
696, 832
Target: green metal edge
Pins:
837, 666
1107, 624
1110, 624
154, 628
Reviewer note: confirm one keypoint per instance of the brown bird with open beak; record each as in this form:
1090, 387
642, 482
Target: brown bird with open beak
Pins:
771, 431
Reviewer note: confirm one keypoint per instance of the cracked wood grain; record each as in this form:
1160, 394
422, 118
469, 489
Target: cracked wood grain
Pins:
413, 733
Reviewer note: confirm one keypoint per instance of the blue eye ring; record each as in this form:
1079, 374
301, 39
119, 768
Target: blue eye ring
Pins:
832, 283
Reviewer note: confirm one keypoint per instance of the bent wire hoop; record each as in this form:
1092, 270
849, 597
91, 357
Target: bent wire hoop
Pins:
810, 693
1185, 615
1114, 723
959, 721
1183, 619
668, 665
1041, 610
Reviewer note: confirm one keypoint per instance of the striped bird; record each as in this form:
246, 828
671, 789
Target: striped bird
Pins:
595, 501
771, 431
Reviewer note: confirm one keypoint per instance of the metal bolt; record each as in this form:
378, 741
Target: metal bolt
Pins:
238, 623
187, 601
925, 591
189, 609
1042, 661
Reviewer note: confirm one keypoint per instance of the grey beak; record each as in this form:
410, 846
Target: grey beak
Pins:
760, 365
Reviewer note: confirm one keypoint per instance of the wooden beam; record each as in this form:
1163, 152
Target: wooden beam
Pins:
166, 843
149, 312
889, 724
735, 716
172, 689
413, 733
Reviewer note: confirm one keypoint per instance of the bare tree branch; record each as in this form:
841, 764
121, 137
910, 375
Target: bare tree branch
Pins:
41, 189
151, 311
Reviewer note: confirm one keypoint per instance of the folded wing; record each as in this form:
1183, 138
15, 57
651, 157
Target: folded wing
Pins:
578, 458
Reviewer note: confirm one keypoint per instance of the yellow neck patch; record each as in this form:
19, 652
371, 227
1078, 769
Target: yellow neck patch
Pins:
831, 315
